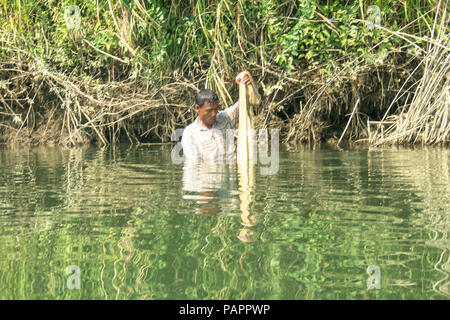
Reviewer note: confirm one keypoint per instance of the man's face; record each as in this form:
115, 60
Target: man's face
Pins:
207, 113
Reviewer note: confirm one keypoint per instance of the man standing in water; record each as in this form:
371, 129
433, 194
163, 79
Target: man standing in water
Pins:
205, 139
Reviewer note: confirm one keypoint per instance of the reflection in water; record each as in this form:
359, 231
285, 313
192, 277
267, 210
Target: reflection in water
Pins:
204, 183
213, 186
246, 188
428, 171
125, 217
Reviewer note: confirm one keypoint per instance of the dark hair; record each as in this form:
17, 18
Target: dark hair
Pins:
205, 95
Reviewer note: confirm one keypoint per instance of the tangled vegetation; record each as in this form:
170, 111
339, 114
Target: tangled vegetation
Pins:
327, 70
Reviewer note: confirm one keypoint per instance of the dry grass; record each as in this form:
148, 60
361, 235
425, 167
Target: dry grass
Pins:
427, 118
54, 108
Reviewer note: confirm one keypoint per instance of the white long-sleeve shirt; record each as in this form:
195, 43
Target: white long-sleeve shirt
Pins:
215, 144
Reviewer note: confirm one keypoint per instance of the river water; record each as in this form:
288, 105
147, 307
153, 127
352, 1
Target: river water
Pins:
128, 223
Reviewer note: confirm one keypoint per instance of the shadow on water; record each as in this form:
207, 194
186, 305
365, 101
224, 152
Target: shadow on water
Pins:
140, 227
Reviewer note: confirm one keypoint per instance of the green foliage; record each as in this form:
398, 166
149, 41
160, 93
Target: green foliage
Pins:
160, 37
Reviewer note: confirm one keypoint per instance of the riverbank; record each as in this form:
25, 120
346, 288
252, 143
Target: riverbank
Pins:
129, 71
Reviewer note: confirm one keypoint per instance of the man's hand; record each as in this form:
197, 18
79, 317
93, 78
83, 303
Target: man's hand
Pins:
243, 77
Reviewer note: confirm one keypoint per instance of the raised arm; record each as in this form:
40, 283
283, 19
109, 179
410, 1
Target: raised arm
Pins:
233, 111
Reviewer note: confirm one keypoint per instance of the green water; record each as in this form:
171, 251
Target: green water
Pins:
138, 226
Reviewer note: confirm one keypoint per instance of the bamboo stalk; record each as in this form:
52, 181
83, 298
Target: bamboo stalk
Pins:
348, 122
